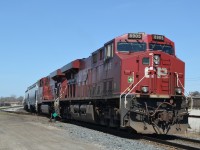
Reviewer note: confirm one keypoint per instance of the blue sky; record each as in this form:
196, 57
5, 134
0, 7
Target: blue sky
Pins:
39, 36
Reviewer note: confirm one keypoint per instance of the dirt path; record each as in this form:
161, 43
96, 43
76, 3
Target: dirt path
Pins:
21, 132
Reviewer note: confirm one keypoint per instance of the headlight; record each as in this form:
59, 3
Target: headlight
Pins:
145, 89
156, 59
178, 90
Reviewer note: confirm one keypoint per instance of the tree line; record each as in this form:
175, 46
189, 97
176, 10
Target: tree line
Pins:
12, 98
195, 94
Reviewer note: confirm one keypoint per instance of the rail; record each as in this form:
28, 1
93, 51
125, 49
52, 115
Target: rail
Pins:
173, 144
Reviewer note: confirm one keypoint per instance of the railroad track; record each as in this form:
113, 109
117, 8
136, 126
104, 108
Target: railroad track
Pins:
8, 107
165, 141
22, 112
194, 116
189, 144
158, 140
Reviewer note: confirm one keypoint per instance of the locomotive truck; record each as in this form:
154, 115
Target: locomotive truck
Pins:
132, 81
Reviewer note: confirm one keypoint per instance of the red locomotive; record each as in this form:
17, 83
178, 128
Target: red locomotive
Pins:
134, 80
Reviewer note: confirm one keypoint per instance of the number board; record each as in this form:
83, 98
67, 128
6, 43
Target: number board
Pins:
158, 37
134, 36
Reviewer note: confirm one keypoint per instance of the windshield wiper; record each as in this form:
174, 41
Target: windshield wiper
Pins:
153, 46
127, 41
140, 43
169, 50
163, 46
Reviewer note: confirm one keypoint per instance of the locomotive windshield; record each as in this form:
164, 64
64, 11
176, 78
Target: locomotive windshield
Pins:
131, 46
163, 47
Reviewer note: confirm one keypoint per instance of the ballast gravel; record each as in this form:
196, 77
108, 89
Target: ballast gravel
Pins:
103, 140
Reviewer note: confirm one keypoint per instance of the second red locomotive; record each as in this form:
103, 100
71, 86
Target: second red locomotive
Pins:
134, 80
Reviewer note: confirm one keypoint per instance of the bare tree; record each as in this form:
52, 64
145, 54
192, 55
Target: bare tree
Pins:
195, 94
12, 98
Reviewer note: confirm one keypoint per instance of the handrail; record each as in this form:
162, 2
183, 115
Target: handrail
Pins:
57, 100
125, 91
151, 54
125, 102
128, 87
178, 80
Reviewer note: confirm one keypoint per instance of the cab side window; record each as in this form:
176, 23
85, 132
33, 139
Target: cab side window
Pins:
94, 58
41, 83
145, 61
109, 51
100, 54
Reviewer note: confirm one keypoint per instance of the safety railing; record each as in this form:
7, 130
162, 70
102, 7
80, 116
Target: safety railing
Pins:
179, 81
124, 92
129, 92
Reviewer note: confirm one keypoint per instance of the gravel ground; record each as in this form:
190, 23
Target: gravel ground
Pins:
27, 132
101, 140
66, 134
105, 141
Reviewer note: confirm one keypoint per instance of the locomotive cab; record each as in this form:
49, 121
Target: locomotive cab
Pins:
152, 85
